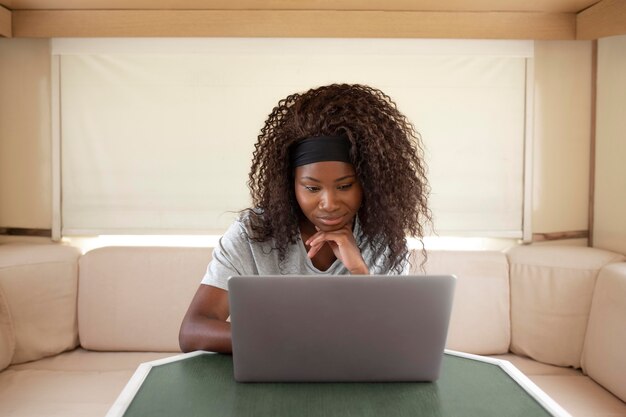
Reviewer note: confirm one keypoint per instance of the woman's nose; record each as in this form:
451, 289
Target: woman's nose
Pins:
329, 201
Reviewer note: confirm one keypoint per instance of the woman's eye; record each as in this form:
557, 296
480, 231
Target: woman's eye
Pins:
312, 189
344, 187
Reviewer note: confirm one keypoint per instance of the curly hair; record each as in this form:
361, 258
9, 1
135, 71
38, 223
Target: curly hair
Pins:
386, 152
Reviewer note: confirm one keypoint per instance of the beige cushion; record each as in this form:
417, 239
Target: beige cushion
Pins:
7, 336
80, 360
604, 359
580, 395
134, 298
551, 290
76, 383
576, 393
40, 285
532, 367
480, 314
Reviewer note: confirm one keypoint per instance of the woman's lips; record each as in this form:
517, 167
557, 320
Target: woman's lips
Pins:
331, 221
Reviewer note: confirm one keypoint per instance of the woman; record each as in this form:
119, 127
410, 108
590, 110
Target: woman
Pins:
337, 183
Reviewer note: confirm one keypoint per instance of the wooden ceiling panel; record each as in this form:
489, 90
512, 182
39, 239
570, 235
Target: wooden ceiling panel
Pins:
5, 23
293, 23
607, 18
490, 19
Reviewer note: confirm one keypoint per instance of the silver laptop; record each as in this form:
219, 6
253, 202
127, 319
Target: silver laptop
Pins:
339, 328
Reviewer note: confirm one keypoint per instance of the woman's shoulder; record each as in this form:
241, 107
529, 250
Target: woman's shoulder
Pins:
246, 227
250, 219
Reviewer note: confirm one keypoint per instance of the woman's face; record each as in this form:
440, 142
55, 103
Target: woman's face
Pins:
329, 194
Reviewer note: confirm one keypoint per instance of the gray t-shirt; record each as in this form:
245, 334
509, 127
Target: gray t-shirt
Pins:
237, 255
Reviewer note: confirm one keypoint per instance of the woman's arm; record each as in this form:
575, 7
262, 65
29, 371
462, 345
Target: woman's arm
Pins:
204, 326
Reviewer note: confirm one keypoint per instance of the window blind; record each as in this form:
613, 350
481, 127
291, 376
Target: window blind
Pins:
156, 135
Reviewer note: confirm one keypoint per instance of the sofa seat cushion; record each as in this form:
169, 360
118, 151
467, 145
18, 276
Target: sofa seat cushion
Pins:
77, 383
580, 395
81, 360
530, 367
576, 393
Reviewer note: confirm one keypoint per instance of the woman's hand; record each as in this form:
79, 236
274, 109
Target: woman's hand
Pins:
343, 245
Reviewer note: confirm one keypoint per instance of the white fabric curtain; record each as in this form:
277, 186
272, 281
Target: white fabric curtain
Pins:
157, 134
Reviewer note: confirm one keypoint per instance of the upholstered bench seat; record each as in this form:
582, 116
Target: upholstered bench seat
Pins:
73, 328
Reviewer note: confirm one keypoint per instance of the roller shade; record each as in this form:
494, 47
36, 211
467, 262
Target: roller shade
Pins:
156, 135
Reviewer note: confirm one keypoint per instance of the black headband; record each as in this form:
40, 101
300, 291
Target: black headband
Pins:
320, 148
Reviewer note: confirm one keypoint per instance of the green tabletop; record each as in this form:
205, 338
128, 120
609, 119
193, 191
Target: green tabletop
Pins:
203, 385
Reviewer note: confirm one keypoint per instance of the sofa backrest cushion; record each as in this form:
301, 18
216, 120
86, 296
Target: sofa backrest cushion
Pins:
7, 336
551, 291
480, 312
134, 298
39, 283
603, 354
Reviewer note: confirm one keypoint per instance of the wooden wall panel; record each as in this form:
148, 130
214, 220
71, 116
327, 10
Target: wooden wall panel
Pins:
561, 136
609, 228
293, 23
25, 139
605, 18
5, 22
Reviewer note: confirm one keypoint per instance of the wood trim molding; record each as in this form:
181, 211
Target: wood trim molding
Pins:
293, 23
5, 23
548, 6
605, 18
592, 139
20, 231
577, 234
